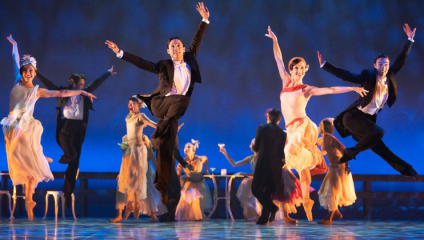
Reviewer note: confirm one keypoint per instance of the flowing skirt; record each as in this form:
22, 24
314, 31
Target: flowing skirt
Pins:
195, 200
25, 156
132, 176
152, 203
251, 206
337, 189
301, 150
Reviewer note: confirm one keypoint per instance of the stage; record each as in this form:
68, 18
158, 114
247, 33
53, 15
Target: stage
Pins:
100, 228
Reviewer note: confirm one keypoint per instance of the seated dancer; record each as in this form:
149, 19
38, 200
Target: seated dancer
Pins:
22, 132
132, 180
301, 151
177, 77
72, 120
269, 145
360, 118
251, 206
195, 194
337, 188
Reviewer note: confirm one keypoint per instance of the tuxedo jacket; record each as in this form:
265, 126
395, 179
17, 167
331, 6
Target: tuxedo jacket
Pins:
165, 68
269, 144
368, 80
61, 101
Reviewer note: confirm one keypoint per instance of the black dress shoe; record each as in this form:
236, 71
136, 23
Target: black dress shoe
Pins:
263, 219
348, 155
272, 214
410, 172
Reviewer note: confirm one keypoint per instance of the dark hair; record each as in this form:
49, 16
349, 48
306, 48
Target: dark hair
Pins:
381, 55
22, 68
327, 126
295, 61
171, 39
274, 115
75, 78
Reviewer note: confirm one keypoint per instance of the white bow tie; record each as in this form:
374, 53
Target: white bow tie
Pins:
179, 64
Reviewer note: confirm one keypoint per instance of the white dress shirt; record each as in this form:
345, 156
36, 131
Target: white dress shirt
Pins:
74, 108
378, 100
182, 78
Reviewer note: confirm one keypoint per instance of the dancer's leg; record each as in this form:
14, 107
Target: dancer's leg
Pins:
305, 183
118, 217
137, 206
29, 203
286, 217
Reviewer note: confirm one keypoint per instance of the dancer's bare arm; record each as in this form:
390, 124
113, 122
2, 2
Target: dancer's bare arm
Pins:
15, 55
205, 161
233, 163
147, 121
315, 91
44, 93
284, 75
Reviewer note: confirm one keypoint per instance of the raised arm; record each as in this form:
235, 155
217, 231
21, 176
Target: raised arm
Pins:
198, 36
44, 93
233, 163
46, 82
315, 91
147, 120
96, 83
15, 55
339, 73
284, 75
401, 58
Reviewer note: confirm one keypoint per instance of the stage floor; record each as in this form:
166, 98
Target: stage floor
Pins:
99, 228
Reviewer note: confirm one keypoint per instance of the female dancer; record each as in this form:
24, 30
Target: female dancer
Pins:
151, 205
251, 206
27, 164
195, 194
302, 134
132, 181
337, 188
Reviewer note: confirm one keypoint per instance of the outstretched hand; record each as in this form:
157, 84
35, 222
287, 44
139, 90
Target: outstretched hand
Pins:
11, 40
111, 71
89, 95
361, 91
271, 34
410, 33
320, 58
204, 11
112, 46
179, 127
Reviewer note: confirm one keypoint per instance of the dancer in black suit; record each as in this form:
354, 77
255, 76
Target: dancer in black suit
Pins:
171, 98
359, 119
269, 145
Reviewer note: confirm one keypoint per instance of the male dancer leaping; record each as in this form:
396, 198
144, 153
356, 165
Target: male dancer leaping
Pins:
171, 98
359, 119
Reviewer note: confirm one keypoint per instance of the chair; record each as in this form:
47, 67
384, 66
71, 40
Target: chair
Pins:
16, 196
56, 195
7, 193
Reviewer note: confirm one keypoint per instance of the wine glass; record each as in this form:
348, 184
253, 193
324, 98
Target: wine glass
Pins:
212, 169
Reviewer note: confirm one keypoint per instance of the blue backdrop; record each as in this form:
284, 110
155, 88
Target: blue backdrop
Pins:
240, 77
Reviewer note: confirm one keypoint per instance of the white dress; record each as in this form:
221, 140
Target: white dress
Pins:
337, 188
195, 195
132, 176
22, 134
152, 203
251, 206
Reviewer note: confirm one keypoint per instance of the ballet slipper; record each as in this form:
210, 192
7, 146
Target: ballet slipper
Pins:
49, 160
137, 210
307, 205
328, 219
289, 220
116, 220
29, 206
128, 210
337, 215
153, 217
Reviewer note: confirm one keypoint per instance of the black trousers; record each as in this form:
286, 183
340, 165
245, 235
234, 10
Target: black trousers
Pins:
168, 110
369, 136
263, 187
174, 195
71, 138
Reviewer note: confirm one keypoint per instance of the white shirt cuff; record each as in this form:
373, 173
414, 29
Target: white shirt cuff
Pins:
205, 20
410, 39
120, 54
322, 65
